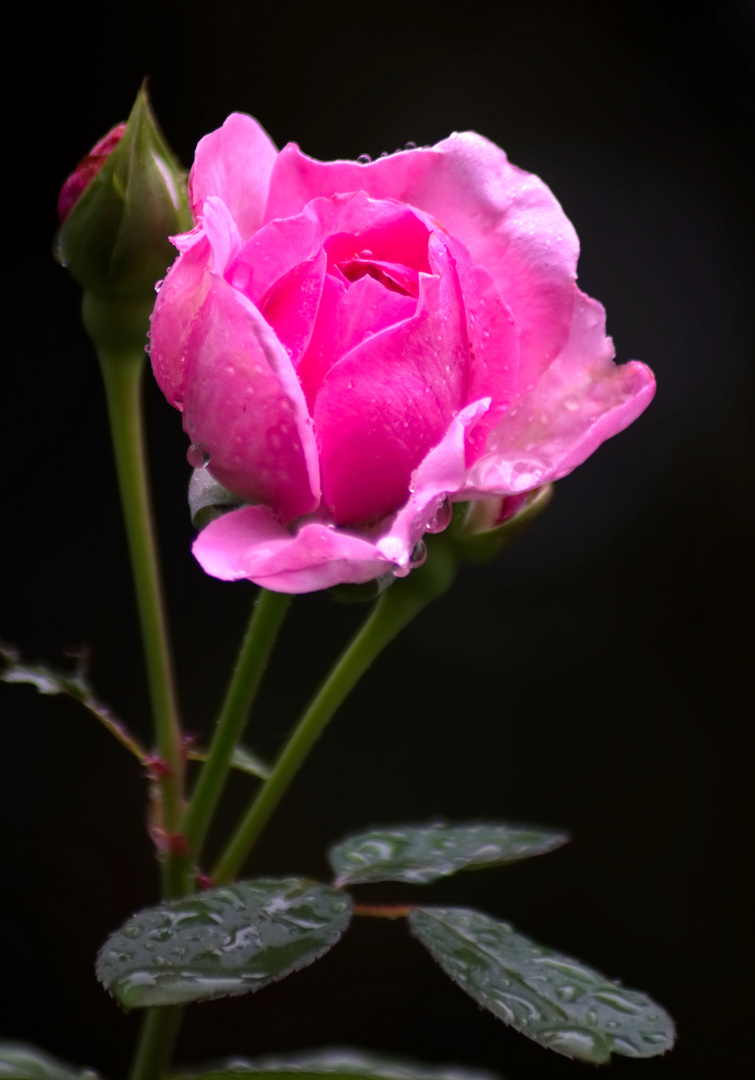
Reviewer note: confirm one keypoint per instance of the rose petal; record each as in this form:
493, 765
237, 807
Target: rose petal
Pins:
235, 163
582, 400
390, 400
442, 473
244, 405
348, 316
292, 303
250, 543
508, 219
180, 297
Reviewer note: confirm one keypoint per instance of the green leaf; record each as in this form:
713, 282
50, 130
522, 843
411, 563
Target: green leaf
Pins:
247, 761
18, 1062
222, 942
422, 853
555, 1000
345, 1064
73, 684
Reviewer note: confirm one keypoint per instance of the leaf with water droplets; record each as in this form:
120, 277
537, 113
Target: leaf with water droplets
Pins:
222, 942
345, 1064
419, 854
19, 1062
555, 1000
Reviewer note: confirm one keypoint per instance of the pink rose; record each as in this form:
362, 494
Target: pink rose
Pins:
353, 344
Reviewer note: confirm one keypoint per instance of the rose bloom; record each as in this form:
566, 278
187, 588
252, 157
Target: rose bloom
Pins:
353, 344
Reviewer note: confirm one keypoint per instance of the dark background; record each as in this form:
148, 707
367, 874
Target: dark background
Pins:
599, 677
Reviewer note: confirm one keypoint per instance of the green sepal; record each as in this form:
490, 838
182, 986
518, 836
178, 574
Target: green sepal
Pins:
21, 1062
222, 942
555, 1000
344, 1064
474, 533
208, 499
419, 854
115, 239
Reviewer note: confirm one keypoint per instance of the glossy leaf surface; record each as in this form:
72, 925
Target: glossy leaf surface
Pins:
315, 1064
555, 1000
419, 854
19, 1062
225, 941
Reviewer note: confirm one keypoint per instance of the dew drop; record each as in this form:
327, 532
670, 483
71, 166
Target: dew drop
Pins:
364, 159
441, 519
418, 555
410, 145
571, 403
197, 456
159, 284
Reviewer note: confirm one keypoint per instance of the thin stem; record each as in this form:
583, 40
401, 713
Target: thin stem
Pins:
267, 616
393, 611
156, 1040
122, 373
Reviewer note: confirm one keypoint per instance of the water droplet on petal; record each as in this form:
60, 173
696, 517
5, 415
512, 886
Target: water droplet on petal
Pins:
197, 456
441, 519
571, 403
410, 145
364, 159
159, 284
418, 555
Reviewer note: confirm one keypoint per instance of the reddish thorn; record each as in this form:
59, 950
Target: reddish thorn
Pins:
175, 843
157, 767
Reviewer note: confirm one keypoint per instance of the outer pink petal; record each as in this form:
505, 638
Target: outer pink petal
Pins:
443, 473
235, 163
390, 400
250, 543
508, 219
240, 407
180, 297
582, 400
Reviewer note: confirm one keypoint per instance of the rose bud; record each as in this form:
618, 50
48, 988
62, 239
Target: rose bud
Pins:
355, 346
119, 207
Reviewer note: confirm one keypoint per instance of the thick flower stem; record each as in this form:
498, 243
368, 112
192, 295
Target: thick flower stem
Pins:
122, 375
156, 1041
393, 611
267, 616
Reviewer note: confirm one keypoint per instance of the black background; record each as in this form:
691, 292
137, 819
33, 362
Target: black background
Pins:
599, 677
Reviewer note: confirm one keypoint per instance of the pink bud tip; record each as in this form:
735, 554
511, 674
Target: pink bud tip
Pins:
86, 170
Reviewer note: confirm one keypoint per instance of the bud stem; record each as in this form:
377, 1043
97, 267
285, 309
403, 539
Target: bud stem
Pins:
122, 376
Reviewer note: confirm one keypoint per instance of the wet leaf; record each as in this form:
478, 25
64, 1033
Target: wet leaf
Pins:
422, 853
19, 1062
555, 1000
222, 942
314, 1064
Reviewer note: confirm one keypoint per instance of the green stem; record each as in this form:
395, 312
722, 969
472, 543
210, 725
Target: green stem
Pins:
394, 609
156, 1040
267, 616
122, 374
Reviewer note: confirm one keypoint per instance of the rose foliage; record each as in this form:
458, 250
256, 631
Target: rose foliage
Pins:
353, 344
